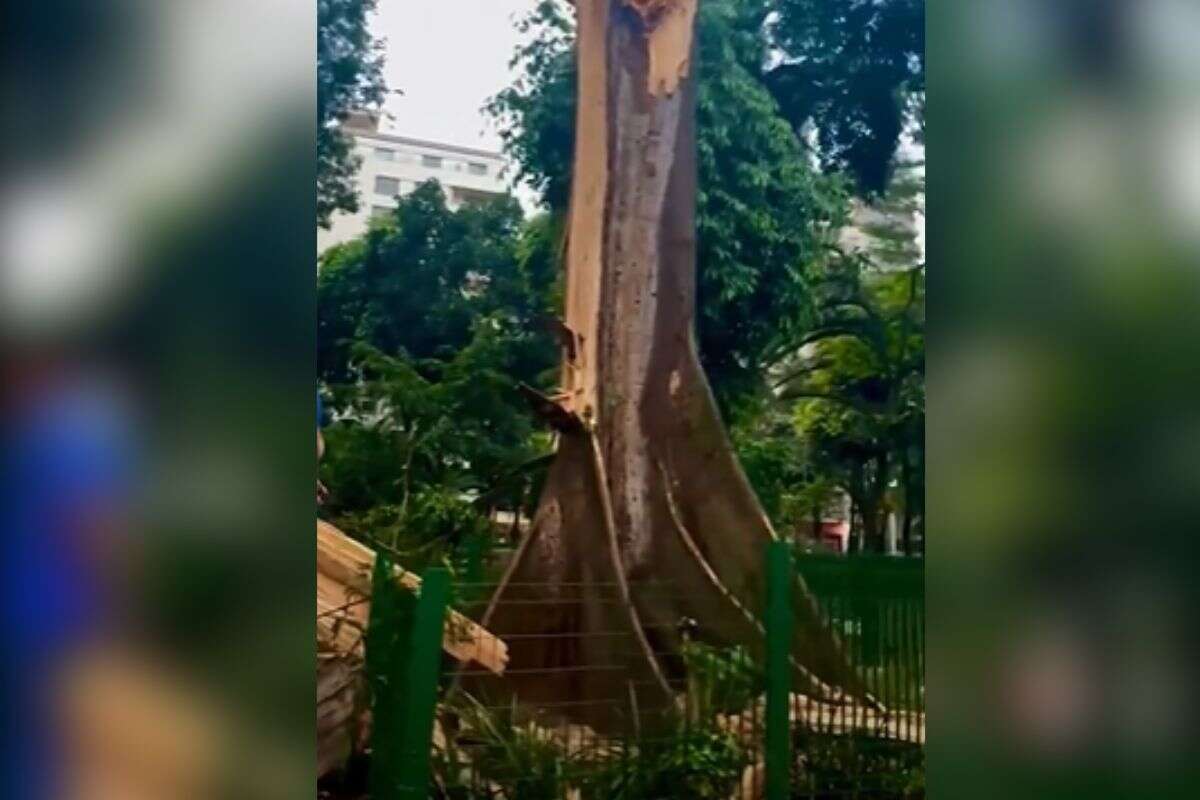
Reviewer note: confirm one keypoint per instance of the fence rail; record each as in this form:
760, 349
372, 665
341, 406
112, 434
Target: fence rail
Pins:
733, 726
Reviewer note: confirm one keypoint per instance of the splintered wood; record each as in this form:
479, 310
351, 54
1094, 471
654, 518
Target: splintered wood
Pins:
344, 569
585, 232
667, 26
668, 41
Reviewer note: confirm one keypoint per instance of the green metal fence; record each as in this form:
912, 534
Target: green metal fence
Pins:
876, 605
738, 730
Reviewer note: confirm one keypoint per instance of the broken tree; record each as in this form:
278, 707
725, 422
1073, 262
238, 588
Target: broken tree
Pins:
646, 518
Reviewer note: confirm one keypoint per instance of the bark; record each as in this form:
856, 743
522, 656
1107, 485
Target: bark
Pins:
646, 517
857, 493
874, 507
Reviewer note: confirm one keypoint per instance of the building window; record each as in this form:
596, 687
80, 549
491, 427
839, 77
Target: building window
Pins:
381, 212
387, 186
434, 162
385, 154
475, 168
461, 196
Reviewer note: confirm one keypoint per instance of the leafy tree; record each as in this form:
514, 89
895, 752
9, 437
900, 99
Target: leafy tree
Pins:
885, 229
427, 323
771, 455
859, 377
854, 70
349, 76
843, 442
411, 453
794, 486
764, 214
417, 284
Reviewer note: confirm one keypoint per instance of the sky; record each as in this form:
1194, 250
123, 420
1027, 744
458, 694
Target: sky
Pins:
448, 57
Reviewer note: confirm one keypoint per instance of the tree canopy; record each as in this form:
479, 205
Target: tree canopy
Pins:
858, 387
349, 77
853, 69
426, 326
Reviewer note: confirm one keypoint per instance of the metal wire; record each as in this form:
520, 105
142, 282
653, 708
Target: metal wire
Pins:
547, 749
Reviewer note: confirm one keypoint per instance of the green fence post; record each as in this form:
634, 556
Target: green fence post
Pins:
389, 632
425, 658
779, 670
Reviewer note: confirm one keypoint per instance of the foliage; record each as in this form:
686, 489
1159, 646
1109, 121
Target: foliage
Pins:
852, 385
793, 487
418, 284
506, 758
693, 761
349, 76
888, 233
859, 379
410, 452
497, 754
720, 681
835, 767
427, 324
764, 438
854, 70
764, 214
695, 756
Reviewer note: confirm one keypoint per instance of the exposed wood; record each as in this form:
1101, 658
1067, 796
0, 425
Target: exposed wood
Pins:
341, 616
668, 41
554, 411
585, 230
349, 564
566, 337
339, 686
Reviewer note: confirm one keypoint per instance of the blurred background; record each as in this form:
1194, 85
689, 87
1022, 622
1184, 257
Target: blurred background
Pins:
1064, 437
157, 318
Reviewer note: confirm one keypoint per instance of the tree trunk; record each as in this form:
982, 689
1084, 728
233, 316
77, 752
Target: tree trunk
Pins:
855, 542
646, 517
875, 513
817, 516
906, 480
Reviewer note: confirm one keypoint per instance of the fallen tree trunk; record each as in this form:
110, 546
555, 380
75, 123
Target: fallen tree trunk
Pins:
645, 499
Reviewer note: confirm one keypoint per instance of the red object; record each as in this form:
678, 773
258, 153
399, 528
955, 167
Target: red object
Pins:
835, 534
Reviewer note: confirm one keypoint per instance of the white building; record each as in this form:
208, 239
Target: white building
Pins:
394, 165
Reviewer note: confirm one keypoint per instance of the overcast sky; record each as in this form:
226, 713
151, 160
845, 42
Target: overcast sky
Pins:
448, 57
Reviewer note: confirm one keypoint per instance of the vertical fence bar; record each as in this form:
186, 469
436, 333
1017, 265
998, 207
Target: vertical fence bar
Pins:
389, 631
779, 646
425, 657
892, 656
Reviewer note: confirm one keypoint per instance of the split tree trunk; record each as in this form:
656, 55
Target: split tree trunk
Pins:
646, 517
